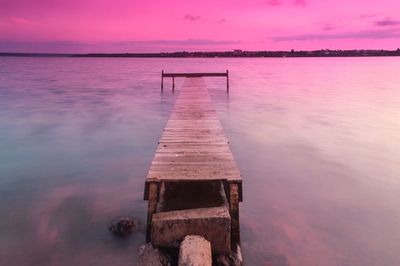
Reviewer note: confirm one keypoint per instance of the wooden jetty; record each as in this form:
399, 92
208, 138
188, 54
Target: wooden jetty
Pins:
194, 185
193, 75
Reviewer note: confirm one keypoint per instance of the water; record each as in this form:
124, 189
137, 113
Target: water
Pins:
317, 140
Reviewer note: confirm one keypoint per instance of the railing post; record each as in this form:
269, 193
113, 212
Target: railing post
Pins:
162, 80
173, 84
227, 81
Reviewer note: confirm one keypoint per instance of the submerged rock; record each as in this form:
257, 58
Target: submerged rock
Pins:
123, 226
152, 256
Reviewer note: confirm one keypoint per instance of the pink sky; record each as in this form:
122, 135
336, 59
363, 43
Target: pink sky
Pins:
154, 26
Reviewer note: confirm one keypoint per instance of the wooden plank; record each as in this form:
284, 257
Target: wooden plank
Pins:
193, 146
195, 75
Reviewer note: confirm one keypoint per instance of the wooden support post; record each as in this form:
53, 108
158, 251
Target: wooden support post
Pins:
173, 84
227, 81
152, 207
234, 212
162, 80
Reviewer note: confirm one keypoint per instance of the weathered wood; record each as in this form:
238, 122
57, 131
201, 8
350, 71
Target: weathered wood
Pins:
152, 207
234, 212
227, 81
194, 75
162, 80
194, 148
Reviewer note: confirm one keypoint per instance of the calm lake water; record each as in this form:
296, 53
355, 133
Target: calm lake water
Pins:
317, 141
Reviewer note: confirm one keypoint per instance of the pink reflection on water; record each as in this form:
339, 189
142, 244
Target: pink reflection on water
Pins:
58, 222
316, 140
46, 233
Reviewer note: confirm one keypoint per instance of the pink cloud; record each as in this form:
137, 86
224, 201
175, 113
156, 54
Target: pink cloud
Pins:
274, 2
300, 2
370, 34
327, 27
366, 16
101, 25
21, 21
387, 22
221, 20
191, 17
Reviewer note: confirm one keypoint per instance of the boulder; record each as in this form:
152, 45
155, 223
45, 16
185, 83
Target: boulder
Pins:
123, 226
195, 251
148, 255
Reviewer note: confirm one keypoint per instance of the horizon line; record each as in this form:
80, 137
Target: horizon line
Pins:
227, 53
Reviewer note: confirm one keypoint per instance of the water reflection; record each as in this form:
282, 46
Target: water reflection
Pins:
314, 138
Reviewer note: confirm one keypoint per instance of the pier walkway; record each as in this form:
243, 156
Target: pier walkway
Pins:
193, 153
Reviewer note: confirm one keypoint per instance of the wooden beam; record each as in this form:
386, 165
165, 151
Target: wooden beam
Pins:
152, 207
162, 80
234, 212
227, 81
194, 75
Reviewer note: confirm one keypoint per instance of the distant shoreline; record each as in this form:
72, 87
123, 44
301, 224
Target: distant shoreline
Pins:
226, 54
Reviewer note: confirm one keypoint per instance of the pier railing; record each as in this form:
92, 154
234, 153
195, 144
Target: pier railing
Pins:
193, 75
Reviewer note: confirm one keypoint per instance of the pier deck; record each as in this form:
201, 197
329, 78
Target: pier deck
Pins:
193, 148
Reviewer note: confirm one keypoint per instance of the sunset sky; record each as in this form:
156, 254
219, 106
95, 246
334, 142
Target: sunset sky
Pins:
67, 26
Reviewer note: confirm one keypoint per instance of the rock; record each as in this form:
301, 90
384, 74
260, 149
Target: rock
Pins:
123, 226
195, 251
169, 228
231, 259
151, 256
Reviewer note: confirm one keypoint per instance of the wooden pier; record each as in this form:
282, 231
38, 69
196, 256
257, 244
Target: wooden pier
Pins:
193, 75
193, 175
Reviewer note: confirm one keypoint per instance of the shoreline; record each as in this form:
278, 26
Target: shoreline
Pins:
226, 54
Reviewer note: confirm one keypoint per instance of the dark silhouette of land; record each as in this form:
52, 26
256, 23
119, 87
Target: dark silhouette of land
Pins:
234, 53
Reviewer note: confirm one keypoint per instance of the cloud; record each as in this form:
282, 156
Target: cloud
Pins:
22, 21
191, 17
371, 34
366, 16
328, 27
221, 20
274, 2
387, 22
189, 42
281, 2
300, 2
112, 47
42, 47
